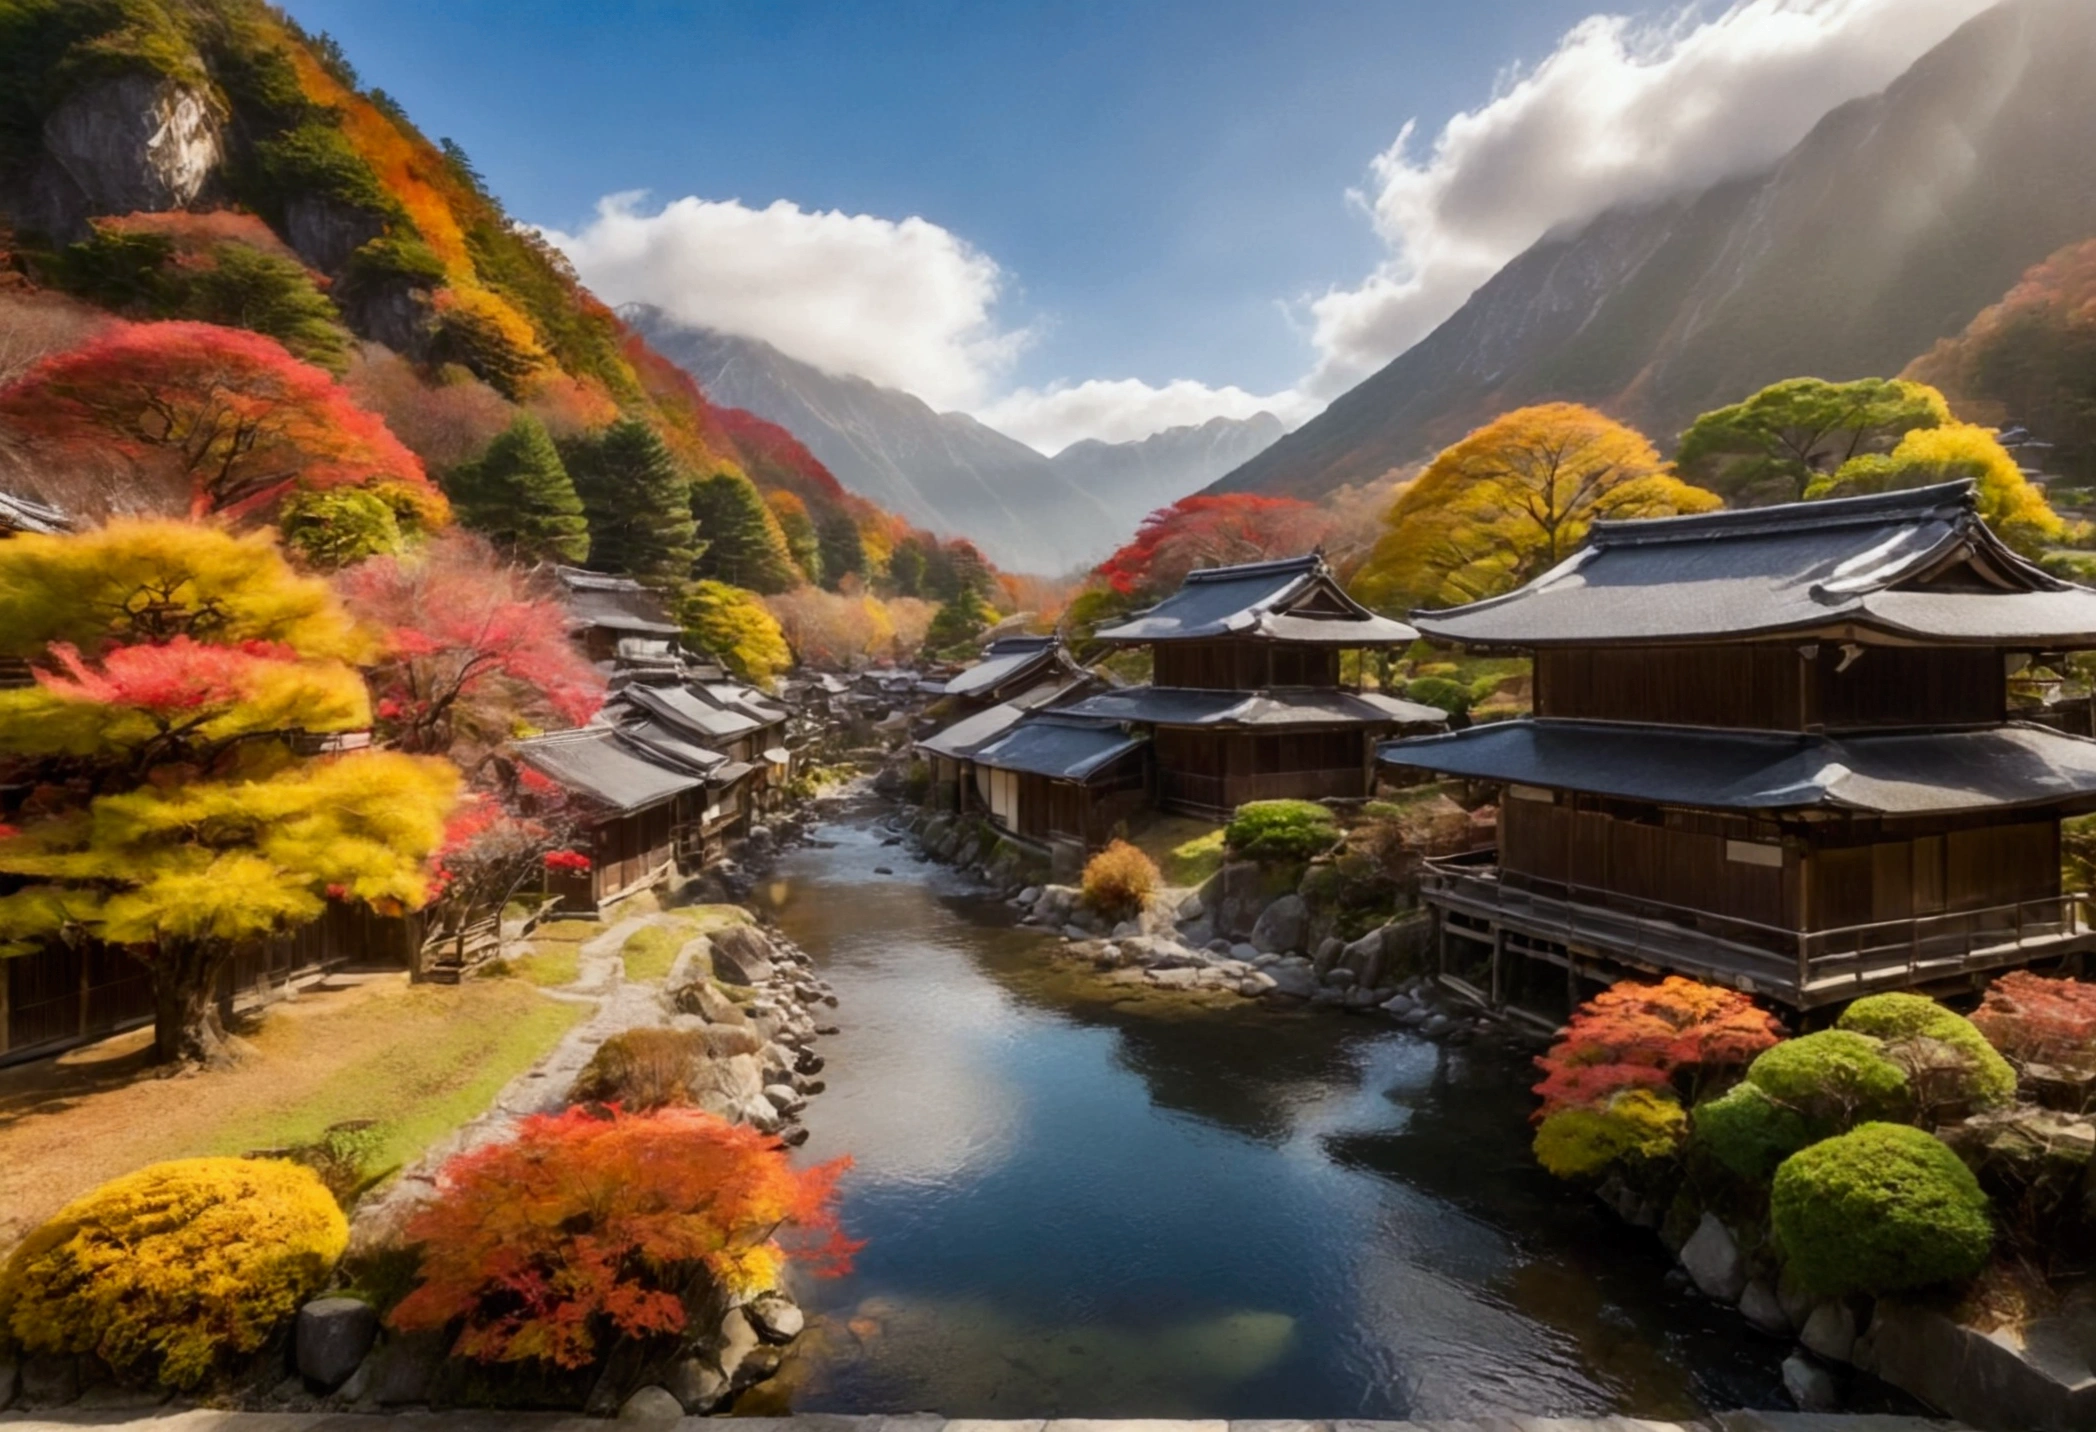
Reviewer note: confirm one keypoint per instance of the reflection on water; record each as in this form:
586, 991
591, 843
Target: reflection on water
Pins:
1081, 1201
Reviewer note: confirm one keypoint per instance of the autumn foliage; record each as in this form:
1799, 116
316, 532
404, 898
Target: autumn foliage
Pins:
1211, 531
595, 1224
2038, 1021
230, 414
1678, 1034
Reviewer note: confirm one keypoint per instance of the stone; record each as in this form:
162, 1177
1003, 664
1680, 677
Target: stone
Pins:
1126, 930
1031, 895
2042, 1377
1191, 907
1362, 998
1831, 1331
760, 1364
1340, 977
1400, 1004
775, 1317
651, 1404
1327, 954
1797, 1301
710, 1002
49, 1379
1810, 1385
409, 1368
1234, 897
697, 1385
1294, 981
135, 142
1365, 957
785, 1098
333, 1337
1242, 950
1713, 1261
1760, 1306
738, 1339
741, 955
10, 1377
1182, 978
1076, 932
1282, 926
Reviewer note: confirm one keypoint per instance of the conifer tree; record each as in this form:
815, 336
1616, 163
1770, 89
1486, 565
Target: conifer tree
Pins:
518, 493
843, 552
962, 619
802, 542
635, 498
744, 546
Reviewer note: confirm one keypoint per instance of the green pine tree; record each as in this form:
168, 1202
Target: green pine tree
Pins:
519, 494
843, 553
637, 500
906, 568
958, 623
744, 546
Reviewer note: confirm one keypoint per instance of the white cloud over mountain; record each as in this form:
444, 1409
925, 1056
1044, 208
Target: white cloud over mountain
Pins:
1622, 110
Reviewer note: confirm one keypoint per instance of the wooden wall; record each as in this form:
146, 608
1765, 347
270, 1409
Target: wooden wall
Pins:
1242, 665
1221, 770
1772, 686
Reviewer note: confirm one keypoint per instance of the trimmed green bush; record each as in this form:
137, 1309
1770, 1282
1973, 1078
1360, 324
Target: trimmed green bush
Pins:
1833, 1080
1881, 1209
1281, 830
1748, 1133
1950, 1067
1635, 1126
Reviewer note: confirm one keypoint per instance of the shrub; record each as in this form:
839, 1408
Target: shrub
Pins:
1119, 879
340, 527
1882, 1209
1951, 1068
1451, 696
1634, 1035
1833, 1080
587, 1227
2043, 1022
1281, 830
1748, 1133
169, 1271
644, 1069
1635, 1124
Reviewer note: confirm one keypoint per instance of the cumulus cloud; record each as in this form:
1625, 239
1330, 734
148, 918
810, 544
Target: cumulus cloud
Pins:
1127, 409
1623, 110
904, 303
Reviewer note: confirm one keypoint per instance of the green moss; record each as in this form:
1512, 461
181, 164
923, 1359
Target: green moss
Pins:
1748, 1133
1950, 1066
649, 952
1281, 830
1832, 1080
1882, 1209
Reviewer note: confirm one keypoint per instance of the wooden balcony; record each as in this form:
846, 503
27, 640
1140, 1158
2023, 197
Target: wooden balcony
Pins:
1804, 969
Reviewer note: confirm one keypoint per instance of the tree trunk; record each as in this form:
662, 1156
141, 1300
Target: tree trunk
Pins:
186, 1027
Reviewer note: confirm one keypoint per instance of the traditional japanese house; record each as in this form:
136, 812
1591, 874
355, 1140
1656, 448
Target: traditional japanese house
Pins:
605, 611
634, 811
733, 788
949, 753
1246, 701
1062, 782
1771, 748
1012, 667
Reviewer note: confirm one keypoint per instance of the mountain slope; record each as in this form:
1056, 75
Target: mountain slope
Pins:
1894, 222
946, 470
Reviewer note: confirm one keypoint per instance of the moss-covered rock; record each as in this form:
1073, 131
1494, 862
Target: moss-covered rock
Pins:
1951, 1069
1882, 1209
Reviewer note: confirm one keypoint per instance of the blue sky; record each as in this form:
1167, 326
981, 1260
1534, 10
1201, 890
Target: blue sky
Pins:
1128, 191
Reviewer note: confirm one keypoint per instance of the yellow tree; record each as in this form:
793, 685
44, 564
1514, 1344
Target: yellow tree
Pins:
2008, 503
1512, 500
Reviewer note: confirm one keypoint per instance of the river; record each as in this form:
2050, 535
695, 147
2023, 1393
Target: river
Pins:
1077, 1207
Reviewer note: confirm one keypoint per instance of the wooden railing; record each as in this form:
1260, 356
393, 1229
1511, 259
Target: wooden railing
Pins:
1874, 954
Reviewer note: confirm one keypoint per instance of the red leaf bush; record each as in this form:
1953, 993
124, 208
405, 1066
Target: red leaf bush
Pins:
2033, 1020
1642, 1036
591, 1225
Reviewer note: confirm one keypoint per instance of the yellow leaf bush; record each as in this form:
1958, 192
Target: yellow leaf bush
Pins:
169, 1271
1119, 878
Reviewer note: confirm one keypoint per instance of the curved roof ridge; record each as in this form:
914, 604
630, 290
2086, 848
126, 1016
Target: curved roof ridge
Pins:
1309, 562
1943, 499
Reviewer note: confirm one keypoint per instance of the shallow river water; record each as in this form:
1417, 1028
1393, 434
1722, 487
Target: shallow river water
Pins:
1077, 1207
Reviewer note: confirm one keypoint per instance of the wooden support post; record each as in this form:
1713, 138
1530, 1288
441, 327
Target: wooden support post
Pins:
1440, 941
1498, 962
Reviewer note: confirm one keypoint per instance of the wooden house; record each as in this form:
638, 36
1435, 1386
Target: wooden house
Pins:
605, 611
636, 807
1246, 701
1011, 668
1062, 782
1772, 748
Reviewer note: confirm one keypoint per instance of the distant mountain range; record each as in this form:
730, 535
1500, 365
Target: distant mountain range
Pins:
1894, 222
948, 472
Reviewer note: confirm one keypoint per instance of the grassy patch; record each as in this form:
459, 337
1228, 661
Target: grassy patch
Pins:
549, 965
650, 952
426, 1061
1186, 851
704, 919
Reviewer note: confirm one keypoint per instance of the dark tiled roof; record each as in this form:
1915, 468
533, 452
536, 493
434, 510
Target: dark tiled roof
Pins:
1058, 747
594, 763
1850, 565
658, 742
615, 612
1011, 660
1184, 706
966, 735
1254, 601
684, 712
1895, 773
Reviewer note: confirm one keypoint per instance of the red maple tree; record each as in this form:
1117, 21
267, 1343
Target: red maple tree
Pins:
2033, 1020
1630, 1036
475, 648
232, 413
1212, 531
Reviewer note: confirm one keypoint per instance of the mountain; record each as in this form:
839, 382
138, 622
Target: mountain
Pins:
1890, 226
949, 472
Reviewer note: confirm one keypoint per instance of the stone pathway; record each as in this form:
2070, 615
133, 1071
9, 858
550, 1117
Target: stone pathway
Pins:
208, 1421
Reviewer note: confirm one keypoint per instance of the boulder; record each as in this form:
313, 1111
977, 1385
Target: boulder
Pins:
1282, 926
1831, 1331
1713, 1261
785, 1098
1436, 1026
742, 955
333, 1337
1365, 958
1328, 952
408, 1367
651, 1404
775, 1317
697, 1385
1234, 897
1030, 895
1191, 908
728, 1088
710, 1002
1760, 1306
1810, 1385
1242, 950
2042, 1378
1295, 981
136, 141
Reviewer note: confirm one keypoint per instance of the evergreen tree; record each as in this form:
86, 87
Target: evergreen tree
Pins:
519, 494
959, 622
798, 527
744, 546
843, 554
637, 502
906, 568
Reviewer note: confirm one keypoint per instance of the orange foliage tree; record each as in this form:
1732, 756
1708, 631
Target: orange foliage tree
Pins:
1678, 1034
2033, 1020
591, 1225
240, 420
1217, 531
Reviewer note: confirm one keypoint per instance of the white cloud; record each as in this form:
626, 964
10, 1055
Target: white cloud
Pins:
904, 303
1126, 409
1623, 110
